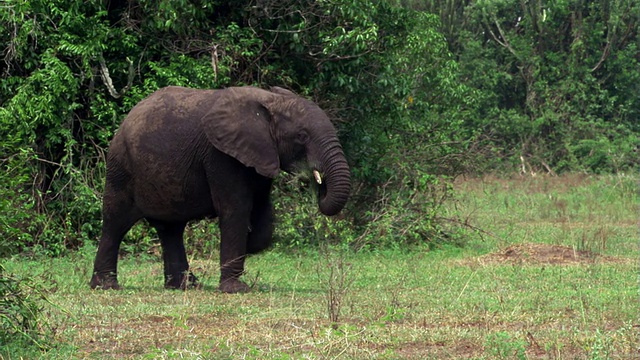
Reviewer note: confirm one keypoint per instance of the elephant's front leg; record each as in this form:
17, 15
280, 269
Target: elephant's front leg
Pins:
261, 230
234, 230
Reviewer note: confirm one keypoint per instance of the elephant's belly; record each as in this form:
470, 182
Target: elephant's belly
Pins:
174, 201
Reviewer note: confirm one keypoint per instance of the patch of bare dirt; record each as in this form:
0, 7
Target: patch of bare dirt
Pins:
531, 253
463, 349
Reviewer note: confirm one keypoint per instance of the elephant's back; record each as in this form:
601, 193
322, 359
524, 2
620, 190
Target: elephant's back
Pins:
167, 107
164, 122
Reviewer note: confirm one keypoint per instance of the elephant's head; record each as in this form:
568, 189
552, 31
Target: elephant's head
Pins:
272, 130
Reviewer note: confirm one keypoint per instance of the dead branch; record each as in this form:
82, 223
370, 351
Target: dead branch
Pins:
504, 42
106, 78
214, 61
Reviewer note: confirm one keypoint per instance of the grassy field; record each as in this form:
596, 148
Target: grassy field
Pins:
553, 275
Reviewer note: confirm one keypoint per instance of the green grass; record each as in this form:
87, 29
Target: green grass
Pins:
480, 301
599, 214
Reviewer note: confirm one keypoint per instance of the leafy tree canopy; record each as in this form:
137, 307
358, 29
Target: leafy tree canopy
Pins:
418, 90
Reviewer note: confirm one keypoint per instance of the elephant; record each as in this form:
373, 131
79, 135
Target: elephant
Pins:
184, 154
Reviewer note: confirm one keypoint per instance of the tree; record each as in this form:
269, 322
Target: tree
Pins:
74, 69
555, 86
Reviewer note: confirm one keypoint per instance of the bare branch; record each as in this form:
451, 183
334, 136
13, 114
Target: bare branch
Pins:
106, 78
214, 61
505, 42
10, 51
549, 169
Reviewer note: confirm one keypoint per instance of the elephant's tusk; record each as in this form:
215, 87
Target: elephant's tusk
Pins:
316, 175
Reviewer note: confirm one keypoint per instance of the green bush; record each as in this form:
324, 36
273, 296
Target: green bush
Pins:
20, 308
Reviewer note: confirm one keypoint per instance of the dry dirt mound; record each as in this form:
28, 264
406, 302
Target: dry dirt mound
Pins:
544, 254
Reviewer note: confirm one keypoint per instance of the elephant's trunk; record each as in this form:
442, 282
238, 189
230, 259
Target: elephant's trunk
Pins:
334, 178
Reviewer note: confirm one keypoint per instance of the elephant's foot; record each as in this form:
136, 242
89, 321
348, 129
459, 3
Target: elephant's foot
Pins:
233, 286
107, 281
183, 281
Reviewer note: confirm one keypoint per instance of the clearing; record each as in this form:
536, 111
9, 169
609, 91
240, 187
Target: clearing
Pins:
553, 275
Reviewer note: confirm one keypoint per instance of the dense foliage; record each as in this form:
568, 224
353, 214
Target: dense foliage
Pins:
420, 91
557, 81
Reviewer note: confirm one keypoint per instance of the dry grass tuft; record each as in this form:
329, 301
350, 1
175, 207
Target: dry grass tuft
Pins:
535, 254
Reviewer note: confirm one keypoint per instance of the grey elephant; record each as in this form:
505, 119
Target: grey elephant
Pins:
183, 154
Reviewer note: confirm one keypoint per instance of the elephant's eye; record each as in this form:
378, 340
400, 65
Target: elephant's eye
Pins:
303, 137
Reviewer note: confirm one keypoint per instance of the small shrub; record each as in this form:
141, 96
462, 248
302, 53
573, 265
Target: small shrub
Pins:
20, 323
502, 345
19, 223
405, 213
335, 278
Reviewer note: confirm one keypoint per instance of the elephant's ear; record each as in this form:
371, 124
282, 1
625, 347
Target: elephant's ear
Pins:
239, 125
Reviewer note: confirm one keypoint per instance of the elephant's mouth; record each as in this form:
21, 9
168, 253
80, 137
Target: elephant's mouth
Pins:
317, 176
320, 184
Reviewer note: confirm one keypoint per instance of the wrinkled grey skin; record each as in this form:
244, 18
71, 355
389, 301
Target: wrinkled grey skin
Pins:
183, 154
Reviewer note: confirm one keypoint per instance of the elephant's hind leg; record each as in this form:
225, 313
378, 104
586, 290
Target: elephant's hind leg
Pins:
118, 217
176, 266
